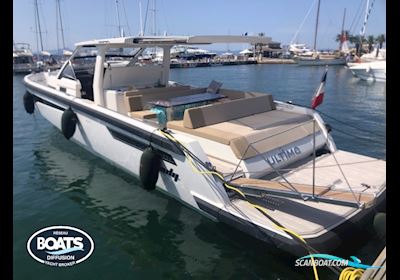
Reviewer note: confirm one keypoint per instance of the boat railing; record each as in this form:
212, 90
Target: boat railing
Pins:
289, 185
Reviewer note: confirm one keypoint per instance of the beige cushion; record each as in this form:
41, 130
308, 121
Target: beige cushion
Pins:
271, 119
265, 131
222, 112
147, 114
134, 103
221, 133
269, 139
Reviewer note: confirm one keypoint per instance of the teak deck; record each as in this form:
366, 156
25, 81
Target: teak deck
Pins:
326, 192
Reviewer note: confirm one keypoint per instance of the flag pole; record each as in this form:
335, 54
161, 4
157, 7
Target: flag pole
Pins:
314, 155
317, 100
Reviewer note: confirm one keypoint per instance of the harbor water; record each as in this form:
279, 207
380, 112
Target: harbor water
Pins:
148, 235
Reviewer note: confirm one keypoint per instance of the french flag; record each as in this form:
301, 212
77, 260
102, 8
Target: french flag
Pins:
319, 94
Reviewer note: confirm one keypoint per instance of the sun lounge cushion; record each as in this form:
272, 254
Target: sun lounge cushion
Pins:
134, 103
265, 136
222, 132
269, 139
222, 112
146, 114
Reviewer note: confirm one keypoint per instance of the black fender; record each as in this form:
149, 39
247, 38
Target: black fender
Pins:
150, 164
29, 102
68, 123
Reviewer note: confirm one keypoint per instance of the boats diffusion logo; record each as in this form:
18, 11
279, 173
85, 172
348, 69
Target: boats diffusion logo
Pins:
329, 260
60, 246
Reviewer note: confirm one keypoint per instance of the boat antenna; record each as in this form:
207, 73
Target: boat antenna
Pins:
316, 27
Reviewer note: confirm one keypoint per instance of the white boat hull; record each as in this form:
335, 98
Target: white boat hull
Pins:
371, 71
320, 62
108, 132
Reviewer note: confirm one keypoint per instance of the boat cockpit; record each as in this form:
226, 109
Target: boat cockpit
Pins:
234, 126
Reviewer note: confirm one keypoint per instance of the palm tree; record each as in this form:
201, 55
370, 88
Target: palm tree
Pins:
380, 39
370, 41
358, 41
341, 36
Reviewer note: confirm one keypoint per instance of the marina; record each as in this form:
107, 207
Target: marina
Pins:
377, 181
172, 161
131, 205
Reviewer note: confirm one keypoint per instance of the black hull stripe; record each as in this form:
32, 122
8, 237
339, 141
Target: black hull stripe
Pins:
138, 145
143, 134
117, 135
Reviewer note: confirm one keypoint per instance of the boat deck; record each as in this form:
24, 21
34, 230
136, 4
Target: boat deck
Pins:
311, 218
339, 170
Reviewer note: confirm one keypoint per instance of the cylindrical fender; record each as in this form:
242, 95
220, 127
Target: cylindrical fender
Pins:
29, 103
68, 123
150, 164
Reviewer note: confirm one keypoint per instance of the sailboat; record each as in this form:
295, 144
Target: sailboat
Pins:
318, 59
371, 66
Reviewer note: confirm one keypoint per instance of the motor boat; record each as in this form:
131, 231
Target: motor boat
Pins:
369, 71
22, 59
268, 168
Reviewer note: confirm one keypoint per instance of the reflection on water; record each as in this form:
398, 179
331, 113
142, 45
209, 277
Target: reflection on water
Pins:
152, 229
140, 234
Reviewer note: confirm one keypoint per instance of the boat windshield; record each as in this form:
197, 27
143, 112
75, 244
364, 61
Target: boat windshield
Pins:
84, 60
22, 59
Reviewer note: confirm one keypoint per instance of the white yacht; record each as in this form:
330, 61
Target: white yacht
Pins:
369, 71
23, 58
321, 60
269, 168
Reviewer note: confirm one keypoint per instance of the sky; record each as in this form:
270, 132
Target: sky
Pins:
95, 19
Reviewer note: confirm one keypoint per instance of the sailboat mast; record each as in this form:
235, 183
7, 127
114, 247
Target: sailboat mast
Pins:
119, 22
316, 27
342, 35
39, 30
367, 12
154, 18
61, 23
58, 41
141, 19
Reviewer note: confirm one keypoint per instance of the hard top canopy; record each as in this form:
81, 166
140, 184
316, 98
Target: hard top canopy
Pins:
174, 40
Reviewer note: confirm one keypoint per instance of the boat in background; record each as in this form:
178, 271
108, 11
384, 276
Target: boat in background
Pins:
376, 54
318, 58
23, 59
369, 71
321, 59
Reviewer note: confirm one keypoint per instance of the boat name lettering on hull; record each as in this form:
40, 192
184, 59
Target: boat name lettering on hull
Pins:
284, 155
170, 173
